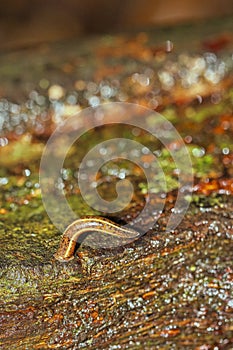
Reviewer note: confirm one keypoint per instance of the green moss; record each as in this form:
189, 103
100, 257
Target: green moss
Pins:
201, 113
170, 114
204, 164
208, 201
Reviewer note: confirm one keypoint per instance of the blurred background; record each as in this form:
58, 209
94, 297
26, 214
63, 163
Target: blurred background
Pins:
25, 23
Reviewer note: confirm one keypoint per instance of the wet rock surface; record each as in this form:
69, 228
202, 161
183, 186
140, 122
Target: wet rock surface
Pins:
166, 290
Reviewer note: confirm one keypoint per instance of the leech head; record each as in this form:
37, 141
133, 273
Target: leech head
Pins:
63, 259
66, 249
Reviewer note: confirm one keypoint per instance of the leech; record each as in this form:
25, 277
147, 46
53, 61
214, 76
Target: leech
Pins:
86, 224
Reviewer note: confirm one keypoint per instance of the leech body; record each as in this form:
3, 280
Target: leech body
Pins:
86, 224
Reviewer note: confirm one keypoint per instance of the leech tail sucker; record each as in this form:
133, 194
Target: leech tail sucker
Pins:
86, 224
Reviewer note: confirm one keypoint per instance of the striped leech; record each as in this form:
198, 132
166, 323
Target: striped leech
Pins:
86, 224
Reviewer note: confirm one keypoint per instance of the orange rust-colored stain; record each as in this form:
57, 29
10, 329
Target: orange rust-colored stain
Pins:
218, 43
149, 295
55, 318
214, 185
64, 345
148, 158
213, 285
208, 187
218, 130
228, 159
99, 334
94, 314
68, 68
226, 121
170, 332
